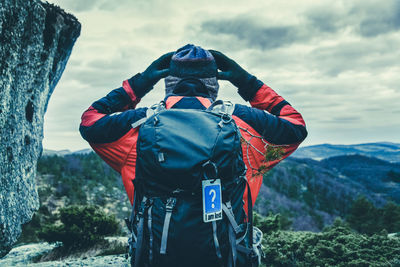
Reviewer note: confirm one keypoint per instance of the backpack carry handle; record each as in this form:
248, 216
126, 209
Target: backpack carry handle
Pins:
210, 170
219, 106
215, 103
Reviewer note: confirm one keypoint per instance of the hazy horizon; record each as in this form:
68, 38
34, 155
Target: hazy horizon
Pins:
302, 145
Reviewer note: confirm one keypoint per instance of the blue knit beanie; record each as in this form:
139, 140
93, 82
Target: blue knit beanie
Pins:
193, 61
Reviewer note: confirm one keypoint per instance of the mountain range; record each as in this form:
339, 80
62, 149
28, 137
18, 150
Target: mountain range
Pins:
50, 152
381, 150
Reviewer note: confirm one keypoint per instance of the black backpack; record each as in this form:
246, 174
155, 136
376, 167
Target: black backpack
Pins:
189, 186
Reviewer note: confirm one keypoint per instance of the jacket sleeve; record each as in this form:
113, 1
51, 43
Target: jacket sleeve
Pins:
109, 119
273, 118
271, 130
271, 115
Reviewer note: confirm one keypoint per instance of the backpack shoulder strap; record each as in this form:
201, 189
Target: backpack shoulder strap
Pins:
154, 109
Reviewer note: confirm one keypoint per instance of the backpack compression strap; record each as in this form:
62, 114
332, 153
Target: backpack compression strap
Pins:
149, 222
168, 207
233, 230
252, 255
139, 243
227, 208
216, 242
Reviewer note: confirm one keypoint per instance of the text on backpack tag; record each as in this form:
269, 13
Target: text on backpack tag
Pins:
212, 200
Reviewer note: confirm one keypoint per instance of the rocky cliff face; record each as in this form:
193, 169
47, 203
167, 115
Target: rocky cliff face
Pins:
36, 41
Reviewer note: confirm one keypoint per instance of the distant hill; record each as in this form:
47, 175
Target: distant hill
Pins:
313, 193
384, 150
49, 152
83, 151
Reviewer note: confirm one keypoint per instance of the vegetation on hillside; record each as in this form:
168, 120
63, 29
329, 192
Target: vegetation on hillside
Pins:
80, 227
73, 176
305, 193
313, 193
366, 218
337, 245
76, 179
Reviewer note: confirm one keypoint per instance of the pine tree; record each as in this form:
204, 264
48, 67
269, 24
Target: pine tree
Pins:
391, 217
364, 216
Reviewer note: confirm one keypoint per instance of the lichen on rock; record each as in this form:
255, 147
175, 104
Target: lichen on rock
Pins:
36, 41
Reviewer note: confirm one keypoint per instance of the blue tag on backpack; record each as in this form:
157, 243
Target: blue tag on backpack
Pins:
212, 200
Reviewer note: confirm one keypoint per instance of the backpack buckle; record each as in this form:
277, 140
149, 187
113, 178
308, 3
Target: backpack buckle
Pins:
143, 205
226, 118
170, 204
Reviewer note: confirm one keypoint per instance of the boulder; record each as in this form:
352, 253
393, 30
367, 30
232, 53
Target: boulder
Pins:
36, 40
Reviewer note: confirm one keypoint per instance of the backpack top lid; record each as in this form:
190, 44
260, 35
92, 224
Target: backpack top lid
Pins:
175, 144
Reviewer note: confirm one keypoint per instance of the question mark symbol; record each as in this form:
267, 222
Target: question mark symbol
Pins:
214, 195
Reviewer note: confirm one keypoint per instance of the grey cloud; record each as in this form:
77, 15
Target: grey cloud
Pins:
372, 27
340, 120
253, 34
222, 42
324, 20
369, 19
317, 87
79, 6
96, 79
318, 23
101, 64
260, 35
346, 118
152, 8
372, 56
380, 19
102, 73
89, 5
381, 109
105, 5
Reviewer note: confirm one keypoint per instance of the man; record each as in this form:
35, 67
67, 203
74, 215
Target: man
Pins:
271, 129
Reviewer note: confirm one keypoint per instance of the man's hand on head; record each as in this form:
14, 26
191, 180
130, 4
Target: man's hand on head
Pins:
246, 83
142, 83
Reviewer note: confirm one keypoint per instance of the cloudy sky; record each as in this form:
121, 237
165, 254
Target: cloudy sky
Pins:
337, 62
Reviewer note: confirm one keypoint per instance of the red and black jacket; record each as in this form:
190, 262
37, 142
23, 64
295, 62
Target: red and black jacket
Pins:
271, 130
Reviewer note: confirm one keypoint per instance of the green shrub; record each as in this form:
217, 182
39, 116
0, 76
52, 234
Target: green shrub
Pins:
337, 245
366, 218
81, 226
31, 230
270, 223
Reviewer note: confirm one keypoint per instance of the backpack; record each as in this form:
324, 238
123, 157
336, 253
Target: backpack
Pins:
189, 186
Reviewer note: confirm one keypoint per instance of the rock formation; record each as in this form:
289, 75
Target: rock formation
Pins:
36, 40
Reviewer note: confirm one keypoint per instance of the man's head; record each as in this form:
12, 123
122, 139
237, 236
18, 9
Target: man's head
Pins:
192, 71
